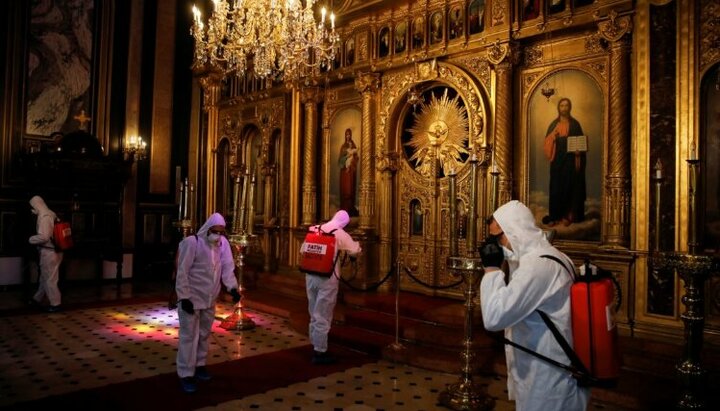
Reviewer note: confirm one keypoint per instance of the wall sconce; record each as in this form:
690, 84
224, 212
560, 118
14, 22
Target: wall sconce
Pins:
135, 148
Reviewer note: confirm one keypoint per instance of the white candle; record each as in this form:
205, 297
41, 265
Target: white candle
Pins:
332, 21
185, 200
693, 154
322, 14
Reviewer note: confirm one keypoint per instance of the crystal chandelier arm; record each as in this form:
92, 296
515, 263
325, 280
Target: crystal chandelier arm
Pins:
282, 38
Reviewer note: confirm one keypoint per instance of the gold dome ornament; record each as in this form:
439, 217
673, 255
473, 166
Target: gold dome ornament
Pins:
439, 132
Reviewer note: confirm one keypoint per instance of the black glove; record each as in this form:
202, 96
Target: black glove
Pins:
491, 253
187, 306
235, 295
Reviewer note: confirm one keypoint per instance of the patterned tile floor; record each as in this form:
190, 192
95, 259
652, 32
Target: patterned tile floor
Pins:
47, 354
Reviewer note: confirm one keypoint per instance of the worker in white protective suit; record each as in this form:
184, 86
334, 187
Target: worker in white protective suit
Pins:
322, 291
203, 261
49, 261
535, 283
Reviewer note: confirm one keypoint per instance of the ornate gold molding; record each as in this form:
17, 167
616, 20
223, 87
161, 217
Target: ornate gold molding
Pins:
709, 34
497, 52
594, 44
367, 83
311, 95
388, 162
615, 26
480, 67
533, 55
426, 71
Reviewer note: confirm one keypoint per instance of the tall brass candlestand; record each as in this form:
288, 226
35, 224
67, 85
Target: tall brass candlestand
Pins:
465, 394
239, 240
239, 320
693, 270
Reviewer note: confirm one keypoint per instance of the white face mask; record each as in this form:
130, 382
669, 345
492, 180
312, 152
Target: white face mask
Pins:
214, 238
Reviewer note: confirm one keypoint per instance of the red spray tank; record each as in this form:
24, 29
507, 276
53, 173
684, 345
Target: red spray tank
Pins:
595, 336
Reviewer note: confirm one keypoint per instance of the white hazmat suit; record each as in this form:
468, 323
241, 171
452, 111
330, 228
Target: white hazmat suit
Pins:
49, 258
322, 291
201, 266
536, 283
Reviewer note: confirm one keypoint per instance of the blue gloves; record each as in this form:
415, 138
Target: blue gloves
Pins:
491, 253
235, 295
187, 306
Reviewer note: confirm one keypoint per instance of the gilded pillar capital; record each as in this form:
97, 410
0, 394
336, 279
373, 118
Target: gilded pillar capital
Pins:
367, 83
388, 162
615, 26
503, 55
311, 95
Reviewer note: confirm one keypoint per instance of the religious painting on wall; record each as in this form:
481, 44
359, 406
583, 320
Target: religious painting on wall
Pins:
418, 33
59, 66
437, 28
400, 37
344, 160
476, 15
456, 23
350, 51
253, 162
384, 42
565, 132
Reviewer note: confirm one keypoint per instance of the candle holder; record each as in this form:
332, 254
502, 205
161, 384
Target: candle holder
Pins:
465, 394
693, 269
240, 240
239, 320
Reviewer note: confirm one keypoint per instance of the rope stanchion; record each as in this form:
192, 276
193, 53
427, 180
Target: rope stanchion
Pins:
397, 345
371, 287
433, 287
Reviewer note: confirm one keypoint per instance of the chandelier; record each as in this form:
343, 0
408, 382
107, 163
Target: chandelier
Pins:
276, 39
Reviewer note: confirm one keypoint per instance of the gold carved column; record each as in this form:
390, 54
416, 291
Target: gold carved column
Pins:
367, 85
617, 180
387, 166
500, 55
268, 172
310, 98
211, 83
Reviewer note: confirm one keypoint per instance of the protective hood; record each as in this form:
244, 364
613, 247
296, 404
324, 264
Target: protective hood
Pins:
215, 219
339, 220
38, 204
518, 224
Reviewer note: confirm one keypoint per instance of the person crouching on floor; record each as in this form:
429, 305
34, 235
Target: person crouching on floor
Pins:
203, 261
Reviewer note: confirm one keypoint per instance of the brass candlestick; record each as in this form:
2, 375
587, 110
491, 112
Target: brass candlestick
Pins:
239, 240
465, 394
239, 320
452, 183
693, 269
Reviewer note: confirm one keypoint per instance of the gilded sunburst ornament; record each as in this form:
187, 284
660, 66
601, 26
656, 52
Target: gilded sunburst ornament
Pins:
440, 129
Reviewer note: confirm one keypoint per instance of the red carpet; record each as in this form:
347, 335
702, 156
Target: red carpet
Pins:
231, 380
